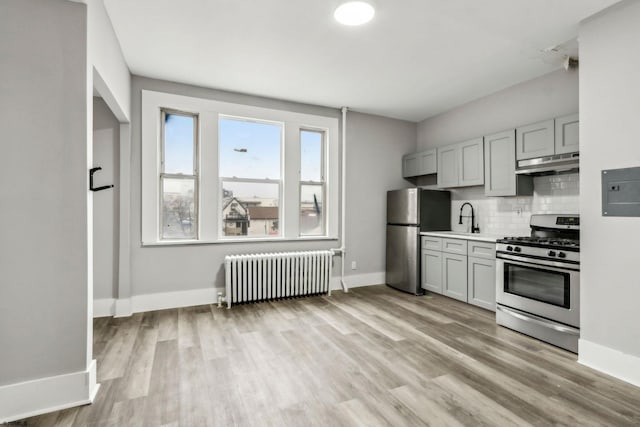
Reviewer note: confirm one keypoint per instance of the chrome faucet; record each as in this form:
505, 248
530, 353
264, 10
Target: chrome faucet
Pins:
474, 229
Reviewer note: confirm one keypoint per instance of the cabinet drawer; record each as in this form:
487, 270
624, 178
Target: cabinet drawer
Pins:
431, 243
482, 250
454, 246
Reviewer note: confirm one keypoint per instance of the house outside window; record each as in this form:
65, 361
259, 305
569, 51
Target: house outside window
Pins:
250, 170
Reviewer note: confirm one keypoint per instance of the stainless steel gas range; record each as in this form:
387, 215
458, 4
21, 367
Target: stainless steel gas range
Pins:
538, 281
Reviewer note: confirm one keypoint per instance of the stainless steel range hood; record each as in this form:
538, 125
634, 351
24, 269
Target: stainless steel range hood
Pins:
550, 165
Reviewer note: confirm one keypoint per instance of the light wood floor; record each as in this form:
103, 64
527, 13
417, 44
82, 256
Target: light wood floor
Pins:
371, 357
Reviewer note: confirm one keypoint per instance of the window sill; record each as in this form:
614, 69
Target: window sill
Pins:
234, 241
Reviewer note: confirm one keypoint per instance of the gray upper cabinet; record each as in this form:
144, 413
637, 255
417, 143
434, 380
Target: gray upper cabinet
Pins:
500, 177
567, 134
410, 165
448, 166
462, 164
535, 140
418, 164
428, 162
472, 162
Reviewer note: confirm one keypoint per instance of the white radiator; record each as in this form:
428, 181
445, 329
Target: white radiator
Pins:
260, 277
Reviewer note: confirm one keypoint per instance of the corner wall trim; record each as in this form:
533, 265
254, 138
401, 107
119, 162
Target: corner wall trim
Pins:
103, 307
623, 366
42, 395
358, 280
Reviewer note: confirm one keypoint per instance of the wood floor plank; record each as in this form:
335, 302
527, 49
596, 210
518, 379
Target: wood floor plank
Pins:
372, 357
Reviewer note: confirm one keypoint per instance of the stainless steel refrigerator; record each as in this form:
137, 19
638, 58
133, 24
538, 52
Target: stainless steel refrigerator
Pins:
409, 212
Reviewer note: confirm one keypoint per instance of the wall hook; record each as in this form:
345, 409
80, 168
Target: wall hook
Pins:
104, 187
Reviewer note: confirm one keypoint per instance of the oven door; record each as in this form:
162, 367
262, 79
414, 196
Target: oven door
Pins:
542, 288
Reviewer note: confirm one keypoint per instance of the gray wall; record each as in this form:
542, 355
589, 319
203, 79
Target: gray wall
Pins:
609, 109
106, 154
552, 95
43, 189
375, 146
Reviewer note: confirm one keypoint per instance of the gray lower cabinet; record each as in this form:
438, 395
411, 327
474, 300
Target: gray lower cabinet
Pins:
454, 276
461, 269
432, 271
481, 282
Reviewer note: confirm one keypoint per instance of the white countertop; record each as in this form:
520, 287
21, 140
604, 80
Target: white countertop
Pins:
466, 236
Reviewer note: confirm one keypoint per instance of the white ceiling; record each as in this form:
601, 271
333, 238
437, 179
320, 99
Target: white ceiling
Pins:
417, 58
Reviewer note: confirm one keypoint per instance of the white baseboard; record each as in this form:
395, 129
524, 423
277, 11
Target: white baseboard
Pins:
623, 366
103, 307
161, 301
123, 308
357, 280
35, 397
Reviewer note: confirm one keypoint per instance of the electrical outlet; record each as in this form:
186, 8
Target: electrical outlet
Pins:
353, 265
518, 211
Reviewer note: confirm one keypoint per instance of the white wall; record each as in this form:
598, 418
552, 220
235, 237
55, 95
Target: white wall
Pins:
111, 75
509, 216
610, 249
375, 145
106, 154
44, 293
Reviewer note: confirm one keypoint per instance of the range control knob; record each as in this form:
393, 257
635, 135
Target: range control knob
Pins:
562, 255
551, 253
517, 249
510, 248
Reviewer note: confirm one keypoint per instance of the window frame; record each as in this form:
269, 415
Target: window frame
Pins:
163, 175
209, 186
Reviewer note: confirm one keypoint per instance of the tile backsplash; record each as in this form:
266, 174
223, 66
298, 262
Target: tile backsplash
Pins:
509, 216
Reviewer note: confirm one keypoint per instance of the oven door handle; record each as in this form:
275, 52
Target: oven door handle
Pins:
529, 262
539, 321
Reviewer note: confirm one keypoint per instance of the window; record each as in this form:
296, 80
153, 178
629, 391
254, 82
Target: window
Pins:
312, 184
215, 172
249, 172
178, 176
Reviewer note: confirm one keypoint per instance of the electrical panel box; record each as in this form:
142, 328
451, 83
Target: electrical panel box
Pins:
621, 192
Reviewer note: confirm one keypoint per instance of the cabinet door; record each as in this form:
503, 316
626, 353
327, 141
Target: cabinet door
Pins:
500, 164
471, 170
567, 134
432, 271
482, 282
535, 140
448, 160
427, 162
454, 276
409, 165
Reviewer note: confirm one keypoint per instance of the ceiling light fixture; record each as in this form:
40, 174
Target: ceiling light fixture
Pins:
354, 13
